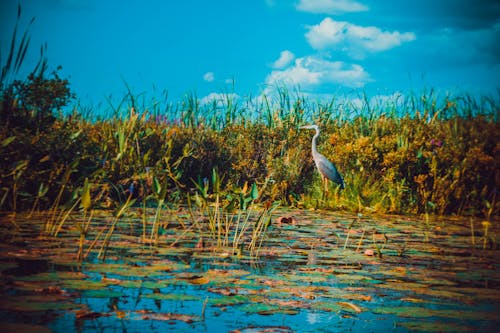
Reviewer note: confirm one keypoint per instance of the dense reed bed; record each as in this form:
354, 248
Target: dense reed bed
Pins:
414, 153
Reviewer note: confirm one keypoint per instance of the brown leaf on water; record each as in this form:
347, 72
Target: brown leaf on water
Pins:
358, 297
412, 300
290, 303
317, 269
120, 314
87, 314
369, 252
194, 278
354, 307
224, 291
271, 282
111, 280
172, 316
286, 220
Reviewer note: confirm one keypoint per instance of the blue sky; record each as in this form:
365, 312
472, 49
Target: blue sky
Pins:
246, 47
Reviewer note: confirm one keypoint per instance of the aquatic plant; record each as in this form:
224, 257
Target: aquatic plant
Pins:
231, 222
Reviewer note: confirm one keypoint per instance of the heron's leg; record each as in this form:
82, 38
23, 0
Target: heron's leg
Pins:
325, 189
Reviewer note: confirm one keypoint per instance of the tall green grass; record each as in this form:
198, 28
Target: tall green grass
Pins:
421, 155
416, 153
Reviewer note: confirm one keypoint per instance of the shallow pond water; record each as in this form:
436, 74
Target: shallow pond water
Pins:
315, 272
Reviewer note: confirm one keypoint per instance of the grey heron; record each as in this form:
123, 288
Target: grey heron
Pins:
326, 168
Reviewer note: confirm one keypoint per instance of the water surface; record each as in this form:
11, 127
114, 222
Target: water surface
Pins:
315, 272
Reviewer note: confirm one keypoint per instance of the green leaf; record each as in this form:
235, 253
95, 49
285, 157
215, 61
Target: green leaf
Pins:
254, 193
7, 141
156, 186
85, 201
75, 135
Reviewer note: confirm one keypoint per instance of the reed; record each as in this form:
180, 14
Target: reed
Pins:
436, 162
419, 152
234, 222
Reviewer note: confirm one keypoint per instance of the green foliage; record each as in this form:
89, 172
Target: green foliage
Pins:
33, 102
395, 159
412, 154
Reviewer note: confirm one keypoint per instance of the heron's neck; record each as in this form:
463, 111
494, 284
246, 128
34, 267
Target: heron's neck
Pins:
315, 137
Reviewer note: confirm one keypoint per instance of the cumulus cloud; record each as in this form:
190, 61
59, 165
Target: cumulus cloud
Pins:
209, 76
313, 71
354, 39
219, 99
286, 57
330, 6
377, 101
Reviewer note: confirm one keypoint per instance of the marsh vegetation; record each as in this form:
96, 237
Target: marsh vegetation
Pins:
210, 216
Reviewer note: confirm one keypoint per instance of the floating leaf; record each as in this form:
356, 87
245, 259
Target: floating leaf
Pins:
267, 309
96, 293
424, 312
170, 316
351, 306
87, 314
327, 306
84, 284
229, 300
435, 326
27, 303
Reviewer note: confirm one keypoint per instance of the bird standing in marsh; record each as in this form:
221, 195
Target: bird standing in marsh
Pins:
326, 168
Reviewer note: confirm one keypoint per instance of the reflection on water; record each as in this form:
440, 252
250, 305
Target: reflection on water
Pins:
324, 273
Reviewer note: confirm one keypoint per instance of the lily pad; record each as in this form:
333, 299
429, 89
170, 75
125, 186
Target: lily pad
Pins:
96, 293
267, 309
36, 303
228, 300
327, 306
435, 326
84, 284
422, 312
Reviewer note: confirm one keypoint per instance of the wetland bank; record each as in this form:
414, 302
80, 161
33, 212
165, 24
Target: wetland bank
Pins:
197, 224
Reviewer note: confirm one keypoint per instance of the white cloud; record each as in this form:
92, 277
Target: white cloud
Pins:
219, 99
376, 102
209, 76
312, 71
330, 6
286, 57
355, 39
